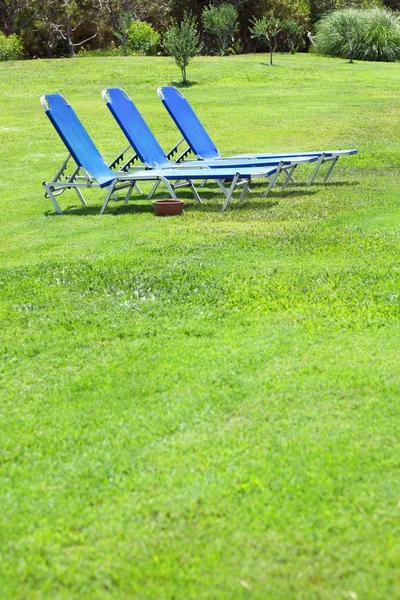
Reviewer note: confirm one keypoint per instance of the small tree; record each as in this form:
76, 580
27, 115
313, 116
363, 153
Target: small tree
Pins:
124, 23
182, 42
267, 29
293, 32
221, 22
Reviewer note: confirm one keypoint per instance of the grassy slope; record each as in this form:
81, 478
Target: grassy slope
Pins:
203, 407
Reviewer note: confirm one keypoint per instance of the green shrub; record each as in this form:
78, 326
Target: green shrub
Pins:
10, 47
99, 52
369, 34
293, 33
143, 39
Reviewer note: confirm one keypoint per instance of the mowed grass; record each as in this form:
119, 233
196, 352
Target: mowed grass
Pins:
205, 406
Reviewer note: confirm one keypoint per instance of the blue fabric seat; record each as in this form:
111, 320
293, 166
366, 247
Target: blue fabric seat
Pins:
76, 139
204, 148
149, 151
92, 171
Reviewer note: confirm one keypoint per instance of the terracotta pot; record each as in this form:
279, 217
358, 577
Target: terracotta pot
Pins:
170, 207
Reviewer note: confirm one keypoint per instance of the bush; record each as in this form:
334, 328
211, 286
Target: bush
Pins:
99, 52
293, 33
10, 47
369, 34
142, 39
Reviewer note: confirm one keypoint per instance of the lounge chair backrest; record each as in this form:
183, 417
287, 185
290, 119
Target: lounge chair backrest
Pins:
135, 128
188, 123
75, 137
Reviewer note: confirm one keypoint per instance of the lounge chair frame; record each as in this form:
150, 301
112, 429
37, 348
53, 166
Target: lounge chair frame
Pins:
80, 178
145, 148
321, 159
77, 182
330, 156
56, 187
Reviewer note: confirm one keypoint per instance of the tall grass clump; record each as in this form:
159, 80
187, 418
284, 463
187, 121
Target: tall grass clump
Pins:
363, 34
382, 41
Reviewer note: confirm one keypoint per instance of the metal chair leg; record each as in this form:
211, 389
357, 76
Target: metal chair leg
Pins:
334, 161
230, 192
195, 193
49, 192
128, 194
317, 166
109, 194
244, 190
170, 189
222, 187
80, 196
153, 190
273, 179
289, 176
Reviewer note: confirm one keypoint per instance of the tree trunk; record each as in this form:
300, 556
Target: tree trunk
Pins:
184, 74
7, 19
124, 42
270, 57
113, 19
69, 41
225, 44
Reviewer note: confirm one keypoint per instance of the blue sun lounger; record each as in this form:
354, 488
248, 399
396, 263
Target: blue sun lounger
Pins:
149, 151
202, 146
91, 171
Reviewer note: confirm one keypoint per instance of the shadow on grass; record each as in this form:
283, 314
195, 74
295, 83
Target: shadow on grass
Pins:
303, 184
183, 84
212, 201
294, 190
338, 183
112, 209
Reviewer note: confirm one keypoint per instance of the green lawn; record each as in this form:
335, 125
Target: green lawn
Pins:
206, 406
